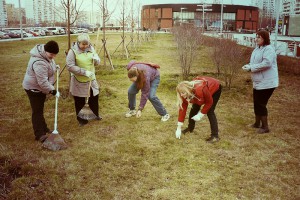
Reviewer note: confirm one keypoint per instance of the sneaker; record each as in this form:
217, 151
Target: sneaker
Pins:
212, 139
165, 118
130, 113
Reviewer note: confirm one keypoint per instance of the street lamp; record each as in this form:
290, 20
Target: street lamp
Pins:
181, 13
277, 19
21, 21
204, 8
221, 26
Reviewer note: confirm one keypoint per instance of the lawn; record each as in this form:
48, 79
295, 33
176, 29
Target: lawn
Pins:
130, 158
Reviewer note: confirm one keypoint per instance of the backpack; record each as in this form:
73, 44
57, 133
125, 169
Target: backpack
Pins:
153, 65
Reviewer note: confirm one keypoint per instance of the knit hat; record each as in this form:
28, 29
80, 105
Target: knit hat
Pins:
51, 47
83, 37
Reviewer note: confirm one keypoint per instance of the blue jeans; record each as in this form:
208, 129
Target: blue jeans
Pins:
133, 90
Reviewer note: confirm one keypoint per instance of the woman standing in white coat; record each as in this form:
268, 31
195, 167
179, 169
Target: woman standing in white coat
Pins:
38, 82
264, 73
81, 61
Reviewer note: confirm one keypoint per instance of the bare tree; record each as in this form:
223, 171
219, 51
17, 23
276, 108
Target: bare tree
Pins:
123, 22
188, 39
106, 14
137, 19
216, 44
72, 10
232, 55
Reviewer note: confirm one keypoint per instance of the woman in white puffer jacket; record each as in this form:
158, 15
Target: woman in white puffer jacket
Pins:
264, 73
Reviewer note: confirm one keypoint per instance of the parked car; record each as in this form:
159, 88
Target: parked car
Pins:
13, 34
73, 31
25, 34
82, 30
56, 30
4, 35
35, 34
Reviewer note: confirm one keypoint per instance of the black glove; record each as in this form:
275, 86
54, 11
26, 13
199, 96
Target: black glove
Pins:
53, 92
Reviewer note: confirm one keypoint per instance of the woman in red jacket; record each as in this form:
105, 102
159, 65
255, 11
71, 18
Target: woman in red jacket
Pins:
201, 91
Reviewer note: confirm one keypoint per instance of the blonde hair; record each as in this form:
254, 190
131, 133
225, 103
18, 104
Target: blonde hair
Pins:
187, 88
83, 37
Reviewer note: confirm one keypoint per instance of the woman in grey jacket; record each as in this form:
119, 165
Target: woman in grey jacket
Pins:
81, 61
264, 73
38, 82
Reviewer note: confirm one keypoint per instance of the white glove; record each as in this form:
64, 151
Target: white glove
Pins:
246, 68
89, 73
57, 95
178, 130
198, 116
139, 114
57, 67
96, 58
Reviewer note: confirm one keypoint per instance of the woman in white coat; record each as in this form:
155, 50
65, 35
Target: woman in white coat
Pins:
264, 73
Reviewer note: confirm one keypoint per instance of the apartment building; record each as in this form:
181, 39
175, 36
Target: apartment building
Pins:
291, 7
3, 14
13, 15
40, 11
291, 16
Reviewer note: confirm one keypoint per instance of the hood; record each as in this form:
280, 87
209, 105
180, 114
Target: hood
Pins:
132, 62
77, 49
39, 52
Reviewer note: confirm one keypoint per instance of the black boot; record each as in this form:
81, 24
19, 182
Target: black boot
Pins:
257, 122
81, 121
265, 127
186, 130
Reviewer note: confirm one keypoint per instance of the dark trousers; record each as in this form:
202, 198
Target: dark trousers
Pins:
211, 114
260, 100
37, 101
93, 104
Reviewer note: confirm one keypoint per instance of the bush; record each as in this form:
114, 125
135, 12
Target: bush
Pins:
288, 64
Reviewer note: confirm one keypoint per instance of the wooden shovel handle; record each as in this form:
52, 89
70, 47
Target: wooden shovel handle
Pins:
89, 92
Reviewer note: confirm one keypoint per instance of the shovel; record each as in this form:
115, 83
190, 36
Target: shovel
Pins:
55, 142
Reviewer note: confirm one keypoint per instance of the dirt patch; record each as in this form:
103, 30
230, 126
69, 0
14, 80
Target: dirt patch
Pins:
9, 171
7, 175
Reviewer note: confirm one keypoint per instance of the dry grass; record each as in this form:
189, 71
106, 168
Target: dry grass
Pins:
119, 158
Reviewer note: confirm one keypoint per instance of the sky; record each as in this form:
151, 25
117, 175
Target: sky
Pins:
87, 3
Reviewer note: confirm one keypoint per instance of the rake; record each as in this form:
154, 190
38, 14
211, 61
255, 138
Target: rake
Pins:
86, 112
55, 142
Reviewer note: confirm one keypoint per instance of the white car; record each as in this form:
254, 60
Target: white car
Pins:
82, 30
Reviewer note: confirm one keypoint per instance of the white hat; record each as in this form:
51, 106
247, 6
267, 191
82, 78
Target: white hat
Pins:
84, 37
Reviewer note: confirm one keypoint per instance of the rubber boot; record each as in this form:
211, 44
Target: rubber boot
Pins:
265, 127
257, 122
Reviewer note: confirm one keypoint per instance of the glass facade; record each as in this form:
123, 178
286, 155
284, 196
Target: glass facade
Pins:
212, 20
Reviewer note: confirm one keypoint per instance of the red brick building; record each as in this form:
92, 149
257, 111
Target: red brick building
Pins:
235, 17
